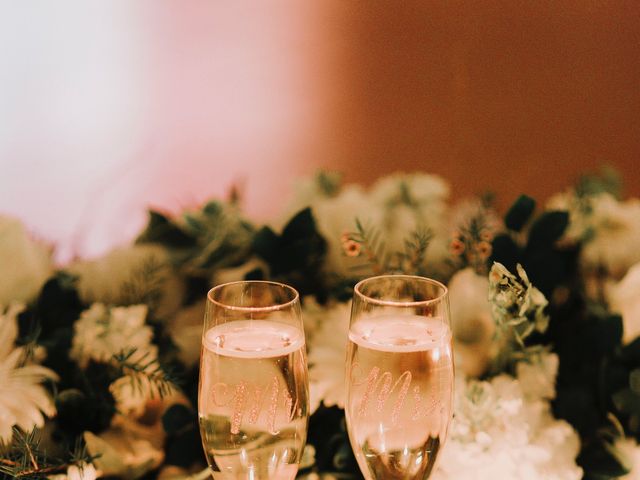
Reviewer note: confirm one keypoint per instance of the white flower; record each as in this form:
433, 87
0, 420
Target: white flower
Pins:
609, 228
83, 471
472, 324
501, 431
616, 229
538, 378
135, 274
336, 216
124, 451
327, 355
186, 331
631, 456
23, 399
25, 264
624, 297
103, 332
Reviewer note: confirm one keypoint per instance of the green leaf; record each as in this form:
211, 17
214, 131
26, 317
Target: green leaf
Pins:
265, 243
602, 460
505, 251
301, 225
631, 353
255, 274
176, 418
607, 334
547, 229
520, 213
160, 229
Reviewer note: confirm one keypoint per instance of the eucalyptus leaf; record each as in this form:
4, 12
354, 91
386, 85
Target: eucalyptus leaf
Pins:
547, 229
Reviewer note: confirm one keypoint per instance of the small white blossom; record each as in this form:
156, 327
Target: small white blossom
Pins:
503, 430
624, 298
26, 264
23, 399
327, 355
83, 471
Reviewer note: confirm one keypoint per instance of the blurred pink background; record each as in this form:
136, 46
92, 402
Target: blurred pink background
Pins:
109, 107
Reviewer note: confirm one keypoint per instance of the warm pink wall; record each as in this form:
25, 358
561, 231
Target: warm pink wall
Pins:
112, 106
506, 95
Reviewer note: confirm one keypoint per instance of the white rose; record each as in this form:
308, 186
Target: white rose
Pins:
624, 297
25, 264
472, 324
135, 274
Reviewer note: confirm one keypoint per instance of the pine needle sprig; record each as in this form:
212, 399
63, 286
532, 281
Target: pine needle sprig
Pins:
412, 260
24, 459
367, 242
371, 246
146, 374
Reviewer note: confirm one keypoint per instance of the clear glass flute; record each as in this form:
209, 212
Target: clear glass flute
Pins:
253, 398
400, 376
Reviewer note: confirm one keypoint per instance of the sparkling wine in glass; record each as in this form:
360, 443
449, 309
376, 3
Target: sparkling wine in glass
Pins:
253, 398
399, 376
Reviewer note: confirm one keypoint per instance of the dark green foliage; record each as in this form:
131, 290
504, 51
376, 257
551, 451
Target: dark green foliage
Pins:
99, 406
547, 264
520, 213
547, 229
296, 256
176, 418
505, 251
183, 446
601, 462
58, 305
26, 459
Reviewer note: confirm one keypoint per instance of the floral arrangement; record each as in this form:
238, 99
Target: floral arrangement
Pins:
99, 358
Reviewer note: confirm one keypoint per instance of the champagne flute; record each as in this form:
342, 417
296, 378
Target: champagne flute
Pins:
253, 397
399, 376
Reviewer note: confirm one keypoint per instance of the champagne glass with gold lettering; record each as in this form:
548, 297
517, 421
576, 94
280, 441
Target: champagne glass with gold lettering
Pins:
399, 376
253, 398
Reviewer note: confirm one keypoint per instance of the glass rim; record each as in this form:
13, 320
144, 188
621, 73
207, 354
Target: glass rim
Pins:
396, 303
269, 308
